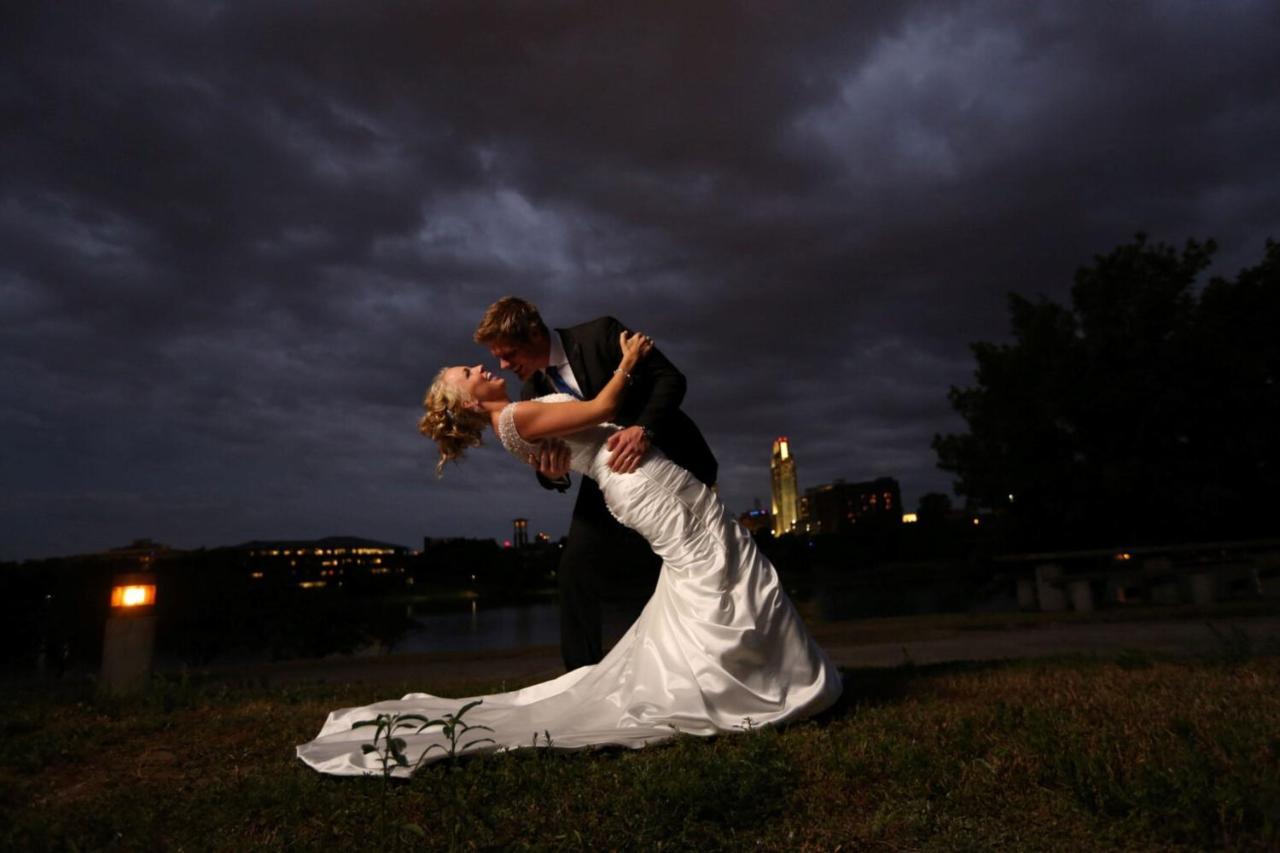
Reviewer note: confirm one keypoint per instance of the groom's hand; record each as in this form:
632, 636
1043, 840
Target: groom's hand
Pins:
629, 447
552, 460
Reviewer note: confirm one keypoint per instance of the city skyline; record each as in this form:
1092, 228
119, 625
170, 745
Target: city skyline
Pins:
238, 241
783, 476
518, 535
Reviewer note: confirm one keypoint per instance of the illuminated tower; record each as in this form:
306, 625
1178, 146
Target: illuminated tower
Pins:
520, 537
786, 498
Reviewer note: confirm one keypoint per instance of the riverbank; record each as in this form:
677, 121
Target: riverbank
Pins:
884, 642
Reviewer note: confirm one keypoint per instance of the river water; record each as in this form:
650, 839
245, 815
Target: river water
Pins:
475, 627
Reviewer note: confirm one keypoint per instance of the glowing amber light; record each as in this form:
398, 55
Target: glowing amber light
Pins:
133, 595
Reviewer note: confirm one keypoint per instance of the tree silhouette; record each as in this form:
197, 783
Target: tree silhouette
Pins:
933, 509
1144, 412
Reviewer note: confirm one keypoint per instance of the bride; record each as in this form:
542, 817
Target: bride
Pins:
718, 648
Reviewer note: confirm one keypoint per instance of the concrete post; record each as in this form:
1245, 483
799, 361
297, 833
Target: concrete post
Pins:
1161, 582
1118, 587
1202, 588
1048, 592
1026, 594
1081, 594
129, 640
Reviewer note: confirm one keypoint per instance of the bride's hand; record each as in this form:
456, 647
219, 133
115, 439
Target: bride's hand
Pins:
635, 346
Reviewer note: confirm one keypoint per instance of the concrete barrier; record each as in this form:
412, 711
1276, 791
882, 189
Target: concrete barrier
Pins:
1081, 595
1048, 592
1026, 594
1124, 589
1202, 588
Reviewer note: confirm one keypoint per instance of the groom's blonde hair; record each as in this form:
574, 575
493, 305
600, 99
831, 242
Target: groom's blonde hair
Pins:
513, 320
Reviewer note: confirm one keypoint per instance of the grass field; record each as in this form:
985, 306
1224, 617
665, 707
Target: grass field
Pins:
1068, 754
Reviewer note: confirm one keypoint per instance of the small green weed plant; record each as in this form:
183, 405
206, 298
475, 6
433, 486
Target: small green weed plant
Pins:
390, 747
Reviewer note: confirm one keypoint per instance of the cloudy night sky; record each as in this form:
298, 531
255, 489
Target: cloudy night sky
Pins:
236, 240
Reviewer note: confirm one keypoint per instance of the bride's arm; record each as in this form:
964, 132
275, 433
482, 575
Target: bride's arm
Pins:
535, 420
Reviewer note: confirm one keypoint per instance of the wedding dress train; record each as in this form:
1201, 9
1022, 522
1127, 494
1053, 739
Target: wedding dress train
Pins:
718, 647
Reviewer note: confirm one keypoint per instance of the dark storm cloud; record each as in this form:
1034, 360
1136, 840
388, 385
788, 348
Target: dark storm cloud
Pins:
237, 240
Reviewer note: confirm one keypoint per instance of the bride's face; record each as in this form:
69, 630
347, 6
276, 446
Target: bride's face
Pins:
478, 382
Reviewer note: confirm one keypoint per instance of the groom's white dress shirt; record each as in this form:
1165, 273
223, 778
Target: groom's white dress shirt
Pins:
557, 359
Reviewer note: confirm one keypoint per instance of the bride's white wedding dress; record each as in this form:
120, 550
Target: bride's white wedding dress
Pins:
719, 643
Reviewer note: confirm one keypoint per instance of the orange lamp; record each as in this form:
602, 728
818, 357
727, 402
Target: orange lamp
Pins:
130, 593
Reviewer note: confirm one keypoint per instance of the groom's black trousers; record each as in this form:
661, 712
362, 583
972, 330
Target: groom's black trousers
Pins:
601, 559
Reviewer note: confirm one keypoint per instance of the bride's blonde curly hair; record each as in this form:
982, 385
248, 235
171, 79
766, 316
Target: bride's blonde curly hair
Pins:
449, 422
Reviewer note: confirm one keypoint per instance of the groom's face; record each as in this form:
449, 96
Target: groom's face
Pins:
523, 358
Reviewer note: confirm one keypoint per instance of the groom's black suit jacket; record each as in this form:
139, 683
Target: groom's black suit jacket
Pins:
652, 399
598, 544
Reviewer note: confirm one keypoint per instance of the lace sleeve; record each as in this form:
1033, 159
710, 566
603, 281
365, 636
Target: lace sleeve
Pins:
510, 436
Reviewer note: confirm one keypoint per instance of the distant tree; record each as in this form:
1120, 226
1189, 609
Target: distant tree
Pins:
933, 508
1144, 412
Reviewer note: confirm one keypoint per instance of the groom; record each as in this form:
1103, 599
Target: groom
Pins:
580, 360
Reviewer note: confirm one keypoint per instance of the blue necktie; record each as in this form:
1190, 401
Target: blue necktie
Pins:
553, 373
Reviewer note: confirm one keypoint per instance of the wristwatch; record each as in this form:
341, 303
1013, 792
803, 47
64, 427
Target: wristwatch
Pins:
648, 434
